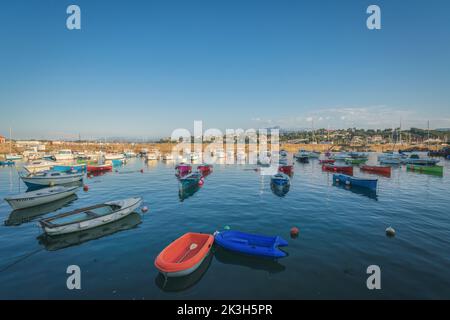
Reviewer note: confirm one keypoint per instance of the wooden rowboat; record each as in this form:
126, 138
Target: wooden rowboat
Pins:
377, 169
90, 217
341, 169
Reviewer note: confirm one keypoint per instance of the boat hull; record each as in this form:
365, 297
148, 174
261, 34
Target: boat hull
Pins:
377, 169
341, 169
95, 222
250, 244
49, 181
178, 259
32, 201
438, 170
357, 182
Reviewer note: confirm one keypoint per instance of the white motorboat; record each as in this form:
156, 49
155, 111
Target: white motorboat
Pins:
39, 165
64, 155
13, 157
39, 197
51, 178
90, 217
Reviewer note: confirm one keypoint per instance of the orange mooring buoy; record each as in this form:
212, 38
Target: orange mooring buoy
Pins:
85, 188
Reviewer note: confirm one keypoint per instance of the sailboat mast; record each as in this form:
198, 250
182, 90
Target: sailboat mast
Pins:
10, 140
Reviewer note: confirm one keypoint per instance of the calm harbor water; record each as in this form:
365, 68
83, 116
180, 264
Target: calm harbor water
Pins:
342, 232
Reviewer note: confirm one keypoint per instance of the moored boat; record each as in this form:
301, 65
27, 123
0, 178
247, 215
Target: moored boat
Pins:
194, 178
7, 163
89, 217
438, 170
251, 244
355, 160
39, 165
377, 169
184, 255
280, 179
13, 157
302, 159
205, 168
354, 181
421, 161
335, 168
324, 161
64, 155
183, 169
95, 168
50, 178
39, 197
286, 169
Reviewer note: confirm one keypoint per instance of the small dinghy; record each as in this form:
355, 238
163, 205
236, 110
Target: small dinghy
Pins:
183, 169
333, 168
99, 168
355, 160
280, 179
90, 217
286, 169
357, 182
205, 169
437, 170
324, 161
252, 244
184, 255
39, 197
50, 178
192, 179
377, 169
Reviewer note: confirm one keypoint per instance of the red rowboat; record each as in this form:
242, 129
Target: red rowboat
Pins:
377, 169
286, 169
184, 255
342, 169
205, 169
99, 168
327, 161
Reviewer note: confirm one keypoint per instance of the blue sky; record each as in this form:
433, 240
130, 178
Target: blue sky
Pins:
144, 68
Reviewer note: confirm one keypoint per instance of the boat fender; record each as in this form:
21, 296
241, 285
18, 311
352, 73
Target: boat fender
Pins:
85, 188
144, 209
347, 182
200, 182
390, 232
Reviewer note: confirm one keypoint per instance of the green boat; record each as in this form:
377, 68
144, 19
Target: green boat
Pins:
355, 160
437, 170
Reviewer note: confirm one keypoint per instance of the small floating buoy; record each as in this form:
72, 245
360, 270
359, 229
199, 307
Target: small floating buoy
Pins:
347, 182
226, 228
294, 232
200, 183
144, 209
85, 188
390, 232
142, 170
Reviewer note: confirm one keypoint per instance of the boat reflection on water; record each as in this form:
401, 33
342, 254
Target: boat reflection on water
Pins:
187, 191
17, 217
177, 284
257, 263
278, 190
369, 193
77, 238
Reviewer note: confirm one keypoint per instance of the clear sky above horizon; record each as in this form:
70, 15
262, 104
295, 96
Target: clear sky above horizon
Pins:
144, 68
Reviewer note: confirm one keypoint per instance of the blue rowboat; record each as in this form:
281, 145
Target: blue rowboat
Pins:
251, 244
7, 163
73, 168
357, 182
448, 157
280, 179
117, 162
